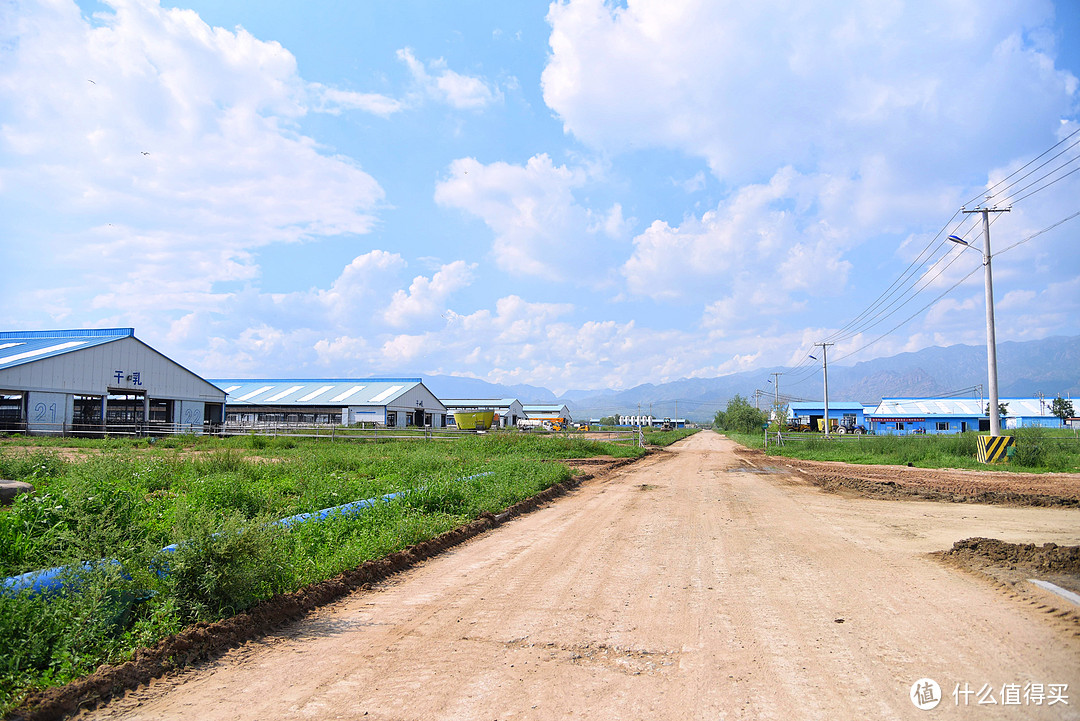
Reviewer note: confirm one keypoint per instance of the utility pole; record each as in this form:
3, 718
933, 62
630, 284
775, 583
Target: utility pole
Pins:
776, 387
825, 365
991, 341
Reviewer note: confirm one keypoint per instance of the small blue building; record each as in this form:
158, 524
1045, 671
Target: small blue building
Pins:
845, 414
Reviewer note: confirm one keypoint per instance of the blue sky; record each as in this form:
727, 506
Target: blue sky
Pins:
575, 195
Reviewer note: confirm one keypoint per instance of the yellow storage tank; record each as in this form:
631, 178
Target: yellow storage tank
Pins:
474, 420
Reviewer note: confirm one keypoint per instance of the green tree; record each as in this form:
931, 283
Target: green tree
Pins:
1062, 408
1003, 410
740, 416
718, 421
779, 416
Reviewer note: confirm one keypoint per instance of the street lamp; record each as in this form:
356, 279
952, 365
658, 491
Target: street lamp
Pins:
991, 341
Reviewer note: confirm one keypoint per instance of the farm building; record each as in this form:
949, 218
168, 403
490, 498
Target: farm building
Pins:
391, 402
650, 421
901, 416
842, 414
99, 380
540, 412
508, 411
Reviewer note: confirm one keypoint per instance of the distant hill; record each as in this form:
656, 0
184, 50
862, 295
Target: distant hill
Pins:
1050, 366
459, 387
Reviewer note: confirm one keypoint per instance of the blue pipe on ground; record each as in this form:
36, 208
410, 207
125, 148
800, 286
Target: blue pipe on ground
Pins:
51, 581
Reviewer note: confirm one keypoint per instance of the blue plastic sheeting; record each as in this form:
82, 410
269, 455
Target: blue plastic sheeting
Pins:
51, 581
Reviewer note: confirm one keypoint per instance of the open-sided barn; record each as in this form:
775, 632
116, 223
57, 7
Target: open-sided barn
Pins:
391, 402
93, 381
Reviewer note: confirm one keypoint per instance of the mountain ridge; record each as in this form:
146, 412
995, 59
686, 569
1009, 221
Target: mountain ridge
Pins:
1025, 368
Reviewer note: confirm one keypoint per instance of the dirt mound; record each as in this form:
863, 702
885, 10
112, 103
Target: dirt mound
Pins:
1048, 558
932, 484
1011, 567
207, 640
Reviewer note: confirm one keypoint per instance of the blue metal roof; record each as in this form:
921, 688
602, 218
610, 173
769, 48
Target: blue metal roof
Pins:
477, 402
833, 405
27, 346
961, 407
314, 392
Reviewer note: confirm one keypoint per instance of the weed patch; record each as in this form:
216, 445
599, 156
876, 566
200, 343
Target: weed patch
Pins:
126, 502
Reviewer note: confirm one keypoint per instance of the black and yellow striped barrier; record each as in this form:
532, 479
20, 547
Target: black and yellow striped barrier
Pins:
995, 449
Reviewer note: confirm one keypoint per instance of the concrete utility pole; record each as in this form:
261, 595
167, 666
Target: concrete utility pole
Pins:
825, 365
991, 341
776, 387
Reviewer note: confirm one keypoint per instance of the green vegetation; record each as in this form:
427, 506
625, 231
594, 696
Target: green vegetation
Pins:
124, 501
1037, 450
740, 417
1062, 408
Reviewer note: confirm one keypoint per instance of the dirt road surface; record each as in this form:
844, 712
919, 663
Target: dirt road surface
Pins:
691, 585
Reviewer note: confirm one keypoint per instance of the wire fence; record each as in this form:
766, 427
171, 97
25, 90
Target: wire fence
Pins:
324, 431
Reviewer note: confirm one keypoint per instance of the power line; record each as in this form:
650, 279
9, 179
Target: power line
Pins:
1048, 150
1039, 190
1036, 235
920, 310
920, 272
951, 288
1048, 161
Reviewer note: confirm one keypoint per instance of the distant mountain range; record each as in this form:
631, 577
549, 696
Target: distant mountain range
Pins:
1050, 366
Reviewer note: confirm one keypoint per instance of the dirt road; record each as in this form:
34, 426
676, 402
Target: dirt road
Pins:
688, 586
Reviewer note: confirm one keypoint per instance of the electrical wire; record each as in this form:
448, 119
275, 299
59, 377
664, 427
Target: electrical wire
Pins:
1025, 240
1039, 190
1048, 161
1036, 235
901, 323
919, 274
1021, 168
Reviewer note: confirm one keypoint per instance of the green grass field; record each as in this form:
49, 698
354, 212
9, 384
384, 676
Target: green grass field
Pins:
1038, 450
124, 500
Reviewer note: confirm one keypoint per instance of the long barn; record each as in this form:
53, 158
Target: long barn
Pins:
390, 402
94, 381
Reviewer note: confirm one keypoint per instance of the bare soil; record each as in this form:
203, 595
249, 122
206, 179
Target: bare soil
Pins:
693, 584
931, 484
1013, 563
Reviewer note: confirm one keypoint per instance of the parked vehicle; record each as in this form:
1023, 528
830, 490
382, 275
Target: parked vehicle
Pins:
847, 425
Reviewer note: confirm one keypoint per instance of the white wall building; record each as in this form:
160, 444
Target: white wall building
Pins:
544, 412
94, 381
390, 402
508, 410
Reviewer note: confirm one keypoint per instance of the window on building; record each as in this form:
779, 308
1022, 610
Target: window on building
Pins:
899, 426
943, 425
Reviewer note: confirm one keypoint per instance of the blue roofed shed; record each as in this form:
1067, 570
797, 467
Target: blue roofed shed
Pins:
391, 402
92, 381
812, 413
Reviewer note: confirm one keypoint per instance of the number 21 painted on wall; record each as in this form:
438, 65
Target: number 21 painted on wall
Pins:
45, 413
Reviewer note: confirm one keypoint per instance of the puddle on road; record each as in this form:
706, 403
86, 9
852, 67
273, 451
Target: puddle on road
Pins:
765, 470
